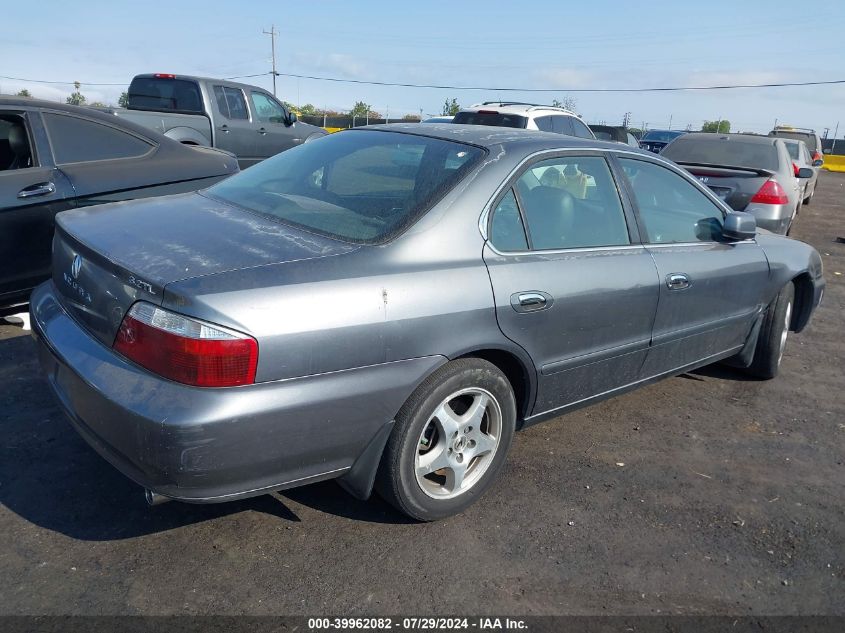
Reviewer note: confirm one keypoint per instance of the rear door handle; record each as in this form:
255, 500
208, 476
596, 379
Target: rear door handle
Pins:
531, 301
677, 281
41, 189
262, 131
224, 128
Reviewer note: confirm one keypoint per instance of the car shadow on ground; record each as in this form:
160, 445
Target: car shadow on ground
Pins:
50, 477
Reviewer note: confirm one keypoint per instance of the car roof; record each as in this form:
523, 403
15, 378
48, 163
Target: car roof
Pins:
713, 137
514, 107
489, 136
214, 80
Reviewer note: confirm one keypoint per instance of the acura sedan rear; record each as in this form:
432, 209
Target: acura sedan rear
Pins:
387, 306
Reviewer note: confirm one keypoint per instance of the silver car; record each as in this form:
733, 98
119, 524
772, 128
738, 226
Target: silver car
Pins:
751, 173
385, 306
801, 159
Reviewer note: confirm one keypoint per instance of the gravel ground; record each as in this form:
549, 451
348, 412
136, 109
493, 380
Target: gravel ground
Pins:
706, 493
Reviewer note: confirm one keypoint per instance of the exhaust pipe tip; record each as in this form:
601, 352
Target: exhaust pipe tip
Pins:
154, 499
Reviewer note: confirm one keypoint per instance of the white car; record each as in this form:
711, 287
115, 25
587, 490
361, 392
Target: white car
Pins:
528, 116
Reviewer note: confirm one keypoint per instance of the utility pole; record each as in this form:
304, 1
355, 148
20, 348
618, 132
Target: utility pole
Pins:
273, 33
835, 132
670, 122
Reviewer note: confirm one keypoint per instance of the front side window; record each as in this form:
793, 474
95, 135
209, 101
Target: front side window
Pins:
544, 123
671, 208
76, 140
362, 186
572, 202
266, 109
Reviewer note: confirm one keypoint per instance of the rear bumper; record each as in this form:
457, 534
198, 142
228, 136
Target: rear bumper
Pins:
210, 445
772, 217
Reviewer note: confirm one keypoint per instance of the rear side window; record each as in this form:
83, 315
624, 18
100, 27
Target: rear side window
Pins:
792, 148
358, 186
507, 232
152, 93
671, 208
76, 140
231, 102
563, 125
544, 123
727, 151
572, 202
579, 129
490, 117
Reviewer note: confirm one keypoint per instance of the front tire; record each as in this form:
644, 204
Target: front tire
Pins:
449, 442
773, 334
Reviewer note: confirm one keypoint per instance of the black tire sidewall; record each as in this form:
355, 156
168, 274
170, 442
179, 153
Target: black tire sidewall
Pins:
767, 354
404, 491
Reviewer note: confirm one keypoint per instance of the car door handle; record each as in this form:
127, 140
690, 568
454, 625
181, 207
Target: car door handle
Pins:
677, 281
224, 129
262, 131
41, 189
531, 301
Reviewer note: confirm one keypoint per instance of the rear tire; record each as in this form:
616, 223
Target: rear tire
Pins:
771, 341
449, 442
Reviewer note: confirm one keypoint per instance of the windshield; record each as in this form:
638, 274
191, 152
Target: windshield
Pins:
362, 186
490, 117
723, 151
661, 136
153, 93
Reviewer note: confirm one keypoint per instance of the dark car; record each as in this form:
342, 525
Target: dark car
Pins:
751, 173
615, 134
656, 140
55, 157
386, 305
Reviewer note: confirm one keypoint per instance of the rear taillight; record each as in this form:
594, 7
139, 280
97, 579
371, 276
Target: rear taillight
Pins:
795, 169
770, 193
817, 155
186, 350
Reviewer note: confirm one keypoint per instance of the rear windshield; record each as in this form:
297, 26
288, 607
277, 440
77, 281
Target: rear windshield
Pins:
809, 139
500, 119
363, 186
727, 152
661, 136
151, 93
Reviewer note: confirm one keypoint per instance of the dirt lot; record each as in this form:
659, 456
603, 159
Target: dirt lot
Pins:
706, 493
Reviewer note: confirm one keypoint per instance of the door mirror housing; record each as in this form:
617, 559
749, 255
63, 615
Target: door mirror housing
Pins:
818, 163
739, 226
291, 118
805, 172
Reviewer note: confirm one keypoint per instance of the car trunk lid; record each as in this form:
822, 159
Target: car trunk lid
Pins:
106, 258
734, 185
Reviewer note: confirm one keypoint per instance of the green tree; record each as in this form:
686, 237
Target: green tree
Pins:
23, 93
98, 104
450, 107
76, 97
123, 101
308, 110
568, 103
362, 110
723, 126
411, 117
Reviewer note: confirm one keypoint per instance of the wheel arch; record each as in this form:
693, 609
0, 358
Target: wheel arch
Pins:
804, 292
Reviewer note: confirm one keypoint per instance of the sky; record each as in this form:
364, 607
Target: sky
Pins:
559, 45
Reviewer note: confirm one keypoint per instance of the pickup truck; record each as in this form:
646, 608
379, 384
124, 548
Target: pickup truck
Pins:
242, 119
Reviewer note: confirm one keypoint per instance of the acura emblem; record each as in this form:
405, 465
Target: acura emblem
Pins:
76, 266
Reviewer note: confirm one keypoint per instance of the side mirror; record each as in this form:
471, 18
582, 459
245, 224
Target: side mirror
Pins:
739, 226
805, 172
826, 151
291, 118
818, 163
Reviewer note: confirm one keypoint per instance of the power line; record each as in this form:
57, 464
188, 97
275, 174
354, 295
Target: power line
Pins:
484, 88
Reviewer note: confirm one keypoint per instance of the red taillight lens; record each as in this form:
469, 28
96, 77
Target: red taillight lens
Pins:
186, 350
817, 155
795, 169
770, 193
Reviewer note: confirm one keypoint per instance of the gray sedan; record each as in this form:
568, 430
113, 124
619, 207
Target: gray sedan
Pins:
386, 306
